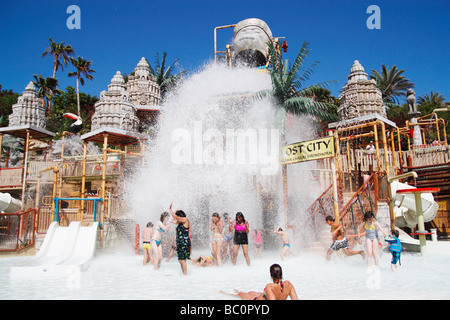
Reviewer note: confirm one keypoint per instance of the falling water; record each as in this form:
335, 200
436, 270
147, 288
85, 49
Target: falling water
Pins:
199, 164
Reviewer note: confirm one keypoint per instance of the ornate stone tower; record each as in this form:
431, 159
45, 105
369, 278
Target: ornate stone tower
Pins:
114, 109
360, 96
28, 110
141, 86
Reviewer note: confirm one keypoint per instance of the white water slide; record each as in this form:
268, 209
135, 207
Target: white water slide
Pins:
406, 212
65, 250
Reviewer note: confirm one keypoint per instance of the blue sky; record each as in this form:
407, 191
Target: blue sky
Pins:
115, 34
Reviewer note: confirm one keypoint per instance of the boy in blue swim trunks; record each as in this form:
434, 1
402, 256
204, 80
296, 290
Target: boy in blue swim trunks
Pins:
286, 246
395, 247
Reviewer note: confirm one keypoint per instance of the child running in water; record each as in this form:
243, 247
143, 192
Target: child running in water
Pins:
395, 247
147, 234
284, 236
339, 240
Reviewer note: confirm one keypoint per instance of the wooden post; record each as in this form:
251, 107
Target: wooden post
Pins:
334, 178
377, 149
105, 153
285, 194
25, 167
83, 179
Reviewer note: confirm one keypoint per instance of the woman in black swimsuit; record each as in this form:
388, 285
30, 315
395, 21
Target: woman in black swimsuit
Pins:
182, 238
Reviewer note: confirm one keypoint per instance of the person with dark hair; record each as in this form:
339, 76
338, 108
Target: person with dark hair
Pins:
182, 237
241, 229
227, 247
395, 248
371, 233
217, 238
339, 239
277, 290
285, 238
157, 238
147, 235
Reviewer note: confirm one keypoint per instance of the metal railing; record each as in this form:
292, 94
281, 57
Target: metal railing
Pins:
365, 199
59, 212
17, 230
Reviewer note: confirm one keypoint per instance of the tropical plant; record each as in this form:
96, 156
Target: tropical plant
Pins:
392, 83
66, 101
165, 77
433, 99
83, 68
61, 54
46, 87
7, 99
288, 90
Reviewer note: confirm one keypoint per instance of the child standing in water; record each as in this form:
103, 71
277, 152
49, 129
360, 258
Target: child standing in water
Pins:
257, 241
285, 238
147, 234
395, 247
227, 247
157, 238
371, 233
217, 238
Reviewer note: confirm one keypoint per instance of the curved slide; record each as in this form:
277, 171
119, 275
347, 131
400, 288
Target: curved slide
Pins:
406, 212
65, 250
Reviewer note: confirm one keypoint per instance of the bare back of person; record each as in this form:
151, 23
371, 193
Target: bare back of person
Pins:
280, 291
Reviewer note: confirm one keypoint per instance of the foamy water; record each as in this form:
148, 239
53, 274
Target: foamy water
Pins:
121, 275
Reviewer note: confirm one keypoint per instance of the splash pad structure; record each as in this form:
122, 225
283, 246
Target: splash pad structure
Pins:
215, 148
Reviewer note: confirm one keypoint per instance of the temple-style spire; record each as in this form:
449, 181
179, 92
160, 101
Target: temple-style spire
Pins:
360, 96
29, 109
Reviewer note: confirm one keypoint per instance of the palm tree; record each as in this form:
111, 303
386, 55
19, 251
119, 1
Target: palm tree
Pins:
291, 96
288, 89
59, 51
83, 67
434, 99
392, 83
164, 76
46, 87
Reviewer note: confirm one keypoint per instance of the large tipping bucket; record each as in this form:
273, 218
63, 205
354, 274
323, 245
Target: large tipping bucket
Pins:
250, 38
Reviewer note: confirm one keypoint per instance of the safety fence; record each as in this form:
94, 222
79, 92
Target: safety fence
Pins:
17, 230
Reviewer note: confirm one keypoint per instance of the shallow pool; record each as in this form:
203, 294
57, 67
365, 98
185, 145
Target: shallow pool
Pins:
120, 275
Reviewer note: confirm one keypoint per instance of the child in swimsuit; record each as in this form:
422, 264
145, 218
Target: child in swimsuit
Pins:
370, 231
257, 241
147, 234
395, 247
217, 238
157, 237
286, 246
